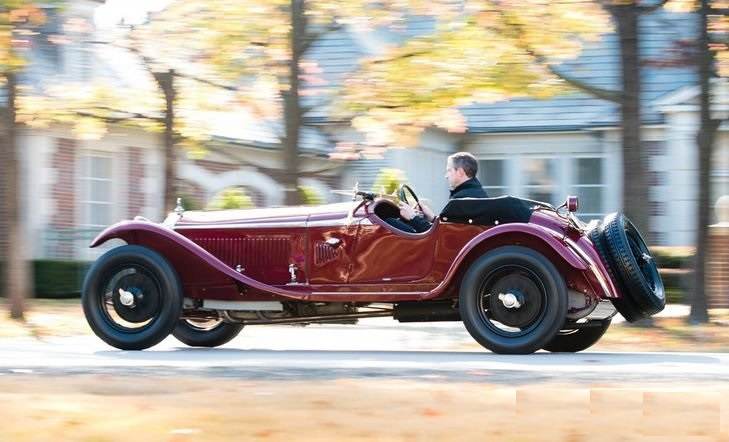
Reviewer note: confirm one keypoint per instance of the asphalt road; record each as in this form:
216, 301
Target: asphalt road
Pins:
377, 348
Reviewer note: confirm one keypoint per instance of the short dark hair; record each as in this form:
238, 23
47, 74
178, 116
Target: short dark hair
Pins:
465, 161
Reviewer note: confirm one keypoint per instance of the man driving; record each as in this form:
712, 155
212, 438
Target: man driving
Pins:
461, 169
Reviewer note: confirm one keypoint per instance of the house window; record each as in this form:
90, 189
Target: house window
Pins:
589, 186
492, 176
539, 175
96, 190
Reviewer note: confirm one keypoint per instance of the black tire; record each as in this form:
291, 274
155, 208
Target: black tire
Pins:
624, 304
156, 291
518, 271
572, 341
634, 267
197, 335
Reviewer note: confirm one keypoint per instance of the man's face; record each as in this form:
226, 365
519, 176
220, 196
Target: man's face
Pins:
455, 176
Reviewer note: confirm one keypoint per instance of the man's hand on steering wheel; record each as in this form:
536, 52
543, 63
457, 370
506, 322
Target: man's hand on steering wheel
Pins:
408, 211
427, 211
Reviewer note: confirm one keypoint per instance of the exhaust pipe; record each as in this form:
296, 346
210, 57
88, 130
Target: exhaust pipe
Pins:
420, 311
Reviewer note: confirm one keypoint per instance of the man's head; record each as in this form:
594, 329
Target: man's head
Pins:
461, 167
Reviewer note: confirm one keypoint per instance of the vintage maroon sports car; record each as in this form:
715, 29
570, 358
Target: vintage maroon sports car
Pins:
522, 275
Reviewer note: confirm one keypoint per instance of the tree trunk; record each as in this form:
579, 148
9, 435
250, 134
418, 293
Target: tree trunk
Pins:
635, 190
165, 81
292, 106
18, 286
705, 143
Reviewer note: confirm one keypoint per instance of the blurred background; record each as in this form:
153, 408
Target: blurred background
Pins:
114, 109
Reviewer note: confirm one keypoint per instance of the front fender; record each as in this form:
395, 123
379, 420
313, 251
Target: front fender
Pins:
192, 262
507, 234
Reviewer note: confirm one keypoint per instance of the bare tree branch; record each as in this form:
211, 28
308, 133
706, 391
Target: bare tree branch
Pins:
651, 8
111, 119
147, 61
306, 109
605, 94
206, 81
311, 37
400, 56
128, 113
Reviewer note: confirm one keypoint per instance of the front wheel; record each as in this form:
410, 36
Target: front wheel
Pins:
513, 300
132, 298
572, 341
205, 333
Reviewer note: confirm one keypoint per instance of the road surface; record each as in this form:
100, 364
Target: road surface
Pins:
376, 348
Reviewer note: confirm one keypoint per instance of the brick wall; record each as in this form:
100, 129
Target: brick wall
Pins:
718, 267
135, 182
216, 167
63, 193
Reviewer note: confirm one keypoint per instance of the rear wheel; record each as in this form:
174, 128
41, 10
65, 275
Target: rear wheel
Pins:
513, 300
572, 341
132, 297
205, 333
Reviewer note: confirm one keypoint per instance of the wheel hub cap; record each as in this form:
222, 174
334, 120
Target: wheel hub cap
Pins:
136, 298
510, 300
126, 298
514, 300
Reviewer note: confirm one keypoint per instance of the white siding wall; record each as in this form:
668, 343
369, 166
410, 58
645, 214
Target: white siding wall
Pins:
682, 179
36, 151
425, 166
563, 148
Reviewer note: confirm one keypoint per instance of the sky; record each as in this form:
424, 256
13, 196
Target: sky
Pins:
133, 12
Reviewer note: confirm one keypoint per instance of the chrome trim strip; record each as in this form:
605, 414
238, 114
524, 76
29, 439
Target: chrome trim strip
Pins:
369, 293
338, 222
241, 226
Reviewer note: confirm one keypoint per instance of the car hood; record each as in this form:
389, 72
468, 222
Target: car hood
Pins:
258, 216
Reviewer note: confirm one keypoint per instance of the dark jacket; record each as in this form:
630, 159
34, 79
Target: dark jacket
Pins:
468, 189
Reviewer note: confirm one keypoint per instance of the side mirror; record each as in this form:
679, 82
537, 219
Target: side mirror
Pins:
572, 204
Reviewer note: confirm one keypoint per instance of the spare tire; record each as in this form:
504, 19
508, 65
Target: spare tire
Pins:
624, 304
631, 266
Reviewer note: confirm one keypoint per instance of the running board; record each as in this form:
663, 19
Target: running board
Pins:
243, 306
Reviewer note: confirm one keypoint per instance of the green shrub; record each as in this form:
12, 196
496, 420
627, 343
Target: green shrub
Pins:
59, 279
673, 257
309, 196
55, 279
388, 181
233, 198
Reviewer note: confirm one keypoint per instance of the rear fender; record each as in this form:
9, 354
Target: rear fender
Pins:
195, 265
548, 242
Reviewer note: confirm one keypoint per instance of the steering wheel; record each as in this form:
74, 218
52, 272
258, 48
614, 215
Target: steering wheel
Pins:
401, 193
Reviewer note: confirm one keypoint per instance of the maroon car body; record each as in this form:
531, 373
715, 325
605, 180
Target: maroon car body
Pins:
347, 255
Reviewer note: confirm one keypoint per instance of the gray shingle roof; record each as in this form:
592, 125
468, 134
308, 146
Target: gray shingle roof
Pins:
598, 65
